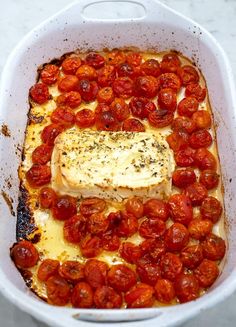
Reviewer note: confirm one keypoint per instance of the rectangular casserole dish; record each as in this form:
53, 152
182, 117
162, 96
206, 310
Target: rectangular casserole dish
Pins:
155, 27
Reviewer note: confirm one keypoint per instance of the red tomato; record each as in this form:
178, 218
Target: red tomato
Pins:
47, 197
202, 119
151, 228
106, 121
204, 159
100, 108
85, 118
183, 177
196, 192
206, 273
152, 250
134, 58
141, 107
178, 140
130, 252
68, 83
213, 247
116, 57
185, 157
150, 67
86, 72
97, 223
196, 91
70, 65
154, 208
191, 256
50, 132
186, 288
176, 237
42, 154
95, 272
49, 74
121, 277
120, 109
199, 228
71, 99
127, 226
170, 81
106, 75
134, 206
167, 99
38, 175
171, 266
211, 209
149, 273
146, 86
95, 60
48, 268
183, 124
39, 93
188, 74
181, 210
187, 106
82, 296
133, 125
58, 290
110, 241
90, 206
63, 116
88, 90
106, 298
72, 271
24, 254
75, 228
90, 246
200, 139
164, 291
170, 63
105, 95
123, 87
126, 70
140, 296
64, 207
160, 118
209, 178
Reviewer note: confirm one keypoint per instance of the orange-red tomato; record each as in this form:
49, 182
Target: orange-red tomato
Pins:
58, 290
38, 175
71, 99
123, 87
68, 83
105, 95
71, 64
85, 118
64, 207
126, 70
206, 273
178, 140
202, 119
49, 74
187, 106
90, 206
181, 209
171, 266
196, 91
125, 223
183, 124
170, 81
140, 296
42, 154
192, 256
148, 273
134, 58
151, 228
120, 109
106, 121
150, 67
186, 288
141, 107
116, 57
86, 72
176, 237
152, 250
24, 254
95, 272
75, 228
199, 228
196, 193
97, 223
146, 86
170, 63
188, 75
211, 209
88, 90
63, 116
91, 246
183, 177
82, 296
200, 139
106, 298
167, 99
209, 178
134, 206
50, 132
155, 208
39, 93
164, 290
213, 247
121, 277
48, 268
95, 60
106, 75
133, 125
204, 159
130, 252
160, 118
110, 241
185, 157
47, 197
72, 271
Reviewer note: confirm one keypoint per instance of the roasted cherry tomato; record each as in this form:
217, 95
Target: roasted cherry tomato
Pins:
134, 58
200, 139
126, 225
72, 271
82, 296
154, 208
50, 132
151, 228
90, 206
178, 140
150, 67
121, 277
105, 95
133, 125
186, 288
24, 254
206, 273
176, 237
106, 298
192, 256
70, 65
48, 268
100, 108
38, 175
110, 241
64, 207
75, 228
85, 118
134, 206
106, 121
39, 93
181, 209
88, 90
42, 154
170, 81
167, 99
183, 177
71, 99
188, 75
123, 87
86, 72
63, 116
213, 247
152, 250
164, 290
90, 246
183, 124
141, 107
204, 159
140, 296
126, 70
171, 266
97, 223
196, 91
58, 290
68, 83
196, 193
120, 109
146, 86
149, 273
130, 252
202, 119
170, 63
95, 272
209, 178
106, 75
187, 106
160, 118
95, 60
199, 228
211, 209
47, 197
116, 57
49, 74
185, 157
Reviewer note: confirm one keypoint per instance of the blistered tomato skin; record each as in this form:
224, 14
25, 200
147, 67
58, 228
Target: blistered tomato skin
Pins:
68, 83
71, 99
95, 60
195, 90
141, 107
38, 175
86, 72
199, 228
64, 207
171, 266
105, 95
90, 206
202, 119
105, 297
134, 58
133, 125
50, 132
152, 249
154, 208
47, 197
91, 246
206, 273
160, 118
183, 177
204, 159
127, 226
130, 252
48, 268
97, 223
39, 93
49, 74
181, 209
106, 121
170, 63
146, 86
192, 256
42, 154
58, 290
209, 178
183, 124
82, 296
196, 193
149, 273
164, 290
106, 75
213, 247
151, 228
167, 99
110, 241
72, 271
75, 228
188, 75
140, 296
150, 67
95, 272
211, 209
134, 206
24, 254
186, 288
70, 65
63, 116
121, 277
200, 139
187, 106
185, 157
123, 87
88, 90
120, 109
176, 237
170, 81
85, 118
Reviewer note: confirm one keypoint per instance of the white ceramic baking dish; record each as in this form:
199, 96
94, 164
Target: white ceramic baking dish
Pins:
154, 26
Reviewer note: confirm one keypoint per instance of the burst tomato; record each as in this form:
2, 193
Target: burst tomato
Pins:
72, 271
82, 296
58, 290
75, 228
164, 290
39, 93
176, 237
48, 268
38, 175
183, 177
49, 74
24, 254
71, 99
187, 106
133, 125
121, 277
140, 296
95, 272
70, 65
186, 288
211, 209
106, 298
85, 118
42, 154
181, 209
47, 197
64, 207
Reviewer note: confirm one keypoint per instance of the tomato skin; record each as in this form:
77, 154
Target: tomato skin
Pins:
38, 175
106, 75
170, 63
186, 288
183, 177
75, 228
134, 58
152, 250
133, 125
91, 206
95, 60
47, 268
164, 290
160, 118
181, 209
116, 57
127, 226
82, 296
88, 90
110, 241
130, 252
97, 223
105, 95
71, 99
63, 116
183, 124
85, 118
195, 90
42, 154
134, 206
151, 228
126, 70
106, 298
72, 271
213, 247
140, 296
204, 159
68, 83
50, 132
167, 99
206, 273
150, 67
107, 121
200, 139
185, 157
90, 246
209, 178
146, 86
191, 256
141, 107
170, 81
178, 140
154, 208
64, 207
121, 277
39, 93
199, 228
202, 119
123, 87
149, 273
171, 266
24, 254
176, 237
187, 106
47, 197
95, 272
211, 209
49, 74
70, 65
120, 109
86, 72
188, 75
196, 193
58, 290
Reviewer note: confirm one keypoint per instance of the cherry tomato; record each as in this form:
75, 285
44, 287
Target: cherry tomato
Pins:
160, 118
181, 209
127, 226
199, 228
154, 208
50, 132
206, 273
150, 67
134, 206
58, 290
86, 72
24, 254
82, 296
68, 83
85, 118
70, 65
63, 116
75, 228
133, 125
151, 228
116, 57
170, 63
123, 87
126, 70
149, 273
209, 178
97, 223
88, 90
211, 209
192, 256
170, 81
121, 277
48, 268
164, 290
38, 175
188, 75
39, 93
106, 298
196, 91
95, 272
106, 75
110, 241
105, 95
204, 159
134, 58
200, 139
107, 121
196, 192
183, 124
171, 266
185, 157
64, 207
202, 119
152, 250
130, 252
176, 237
140, 296
167, 99
213, 247
95, 60
120, 109
42, 154
72, 271
90, 206
183, 177
186, 288
146, 86
47, 197
178, 140
141, 107
71, 99
90, 246
187, 106
100, 108
49, 74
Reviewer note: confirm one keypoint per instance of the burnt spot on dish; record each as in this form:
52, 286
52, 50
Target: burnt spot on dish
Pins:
5, 131
9, 202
